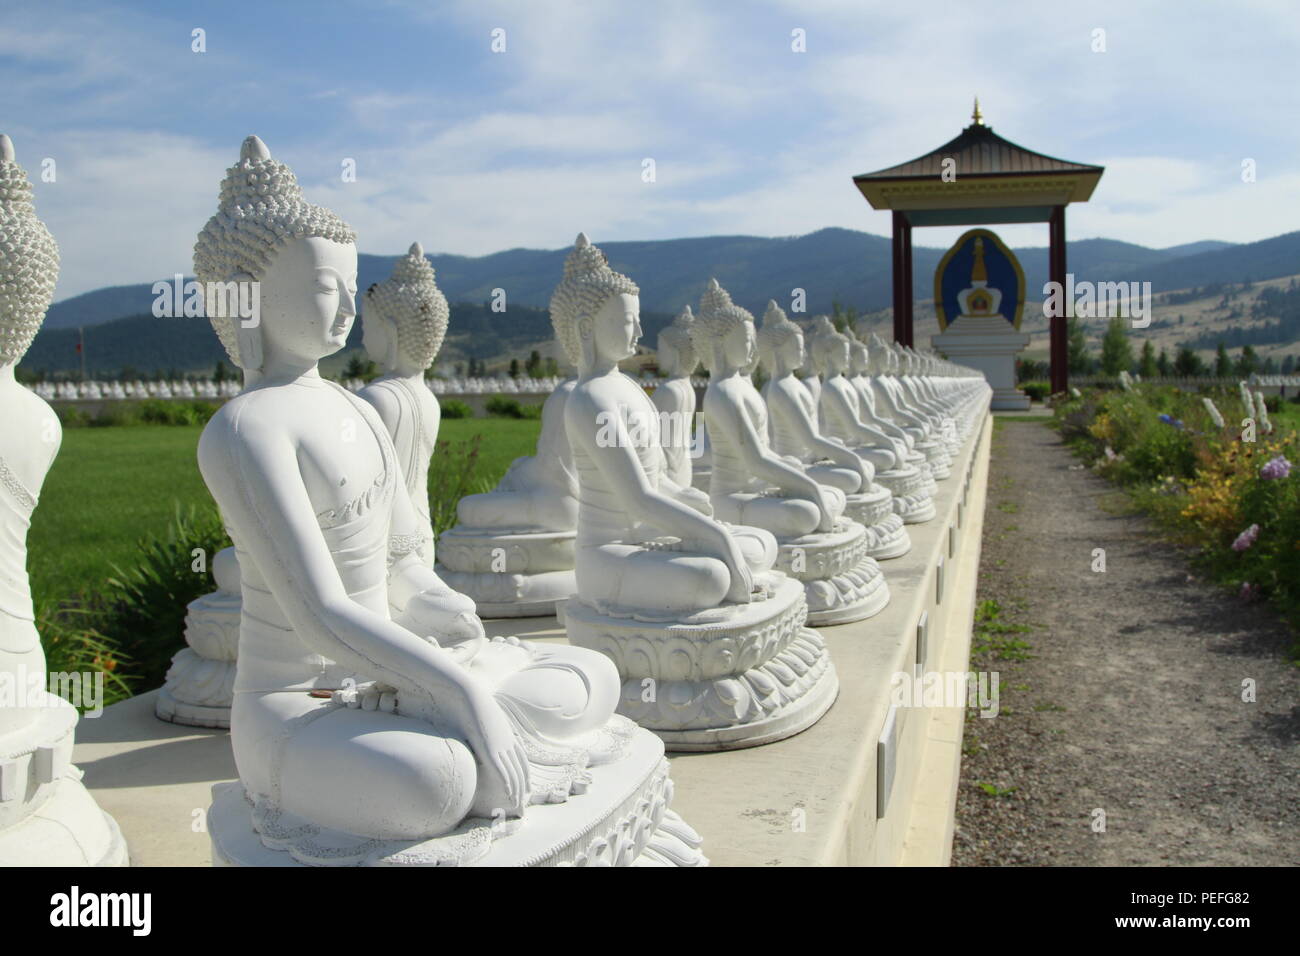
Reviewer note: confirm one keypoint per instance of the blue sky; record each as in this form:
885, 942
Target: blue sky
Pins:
470, 151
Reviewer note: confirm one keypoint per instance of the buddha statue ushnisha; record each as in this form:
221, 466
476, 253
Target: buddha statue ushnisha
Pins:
796, 435
708, 638
752, 485
405, 321
675, 398
373, 723
899, 469
47, 817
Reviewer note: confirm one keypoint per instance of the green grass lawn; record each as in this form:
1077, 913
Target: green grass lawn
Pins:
111, 486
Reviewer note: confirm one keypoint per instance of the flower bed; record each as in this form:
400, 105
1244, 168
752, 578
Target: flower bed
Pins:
1194, 468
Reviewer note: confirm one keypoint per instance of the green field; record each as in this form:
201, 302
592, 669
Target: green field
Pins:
111, 486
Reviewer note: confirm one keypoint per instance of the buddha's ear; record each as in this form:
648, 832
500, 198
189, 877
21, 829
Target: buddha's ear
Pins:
586, 340
248, 332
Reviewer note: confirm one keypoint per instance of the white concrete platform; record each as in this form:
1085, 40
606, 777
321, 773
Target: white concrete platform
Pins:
808, 800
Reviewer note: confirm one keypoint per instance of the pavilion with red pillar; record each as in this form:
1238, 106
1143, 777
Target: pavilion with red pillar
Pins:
979, 178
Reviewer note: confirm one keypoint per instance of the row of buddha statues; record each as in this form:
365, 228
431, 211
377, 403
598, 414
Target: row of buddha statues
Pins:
372, 720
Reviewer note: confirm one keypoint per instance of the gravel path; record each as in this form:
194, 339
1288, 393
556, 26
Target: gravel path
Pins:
1130, 701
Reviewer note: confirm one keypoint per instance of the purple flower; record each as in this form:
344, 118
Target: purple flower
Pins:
1166, 418
1249, 592
1246, 538
1278, 467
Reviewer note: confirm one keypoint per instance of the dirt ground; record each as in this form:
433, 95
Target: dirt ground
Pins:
1128, 710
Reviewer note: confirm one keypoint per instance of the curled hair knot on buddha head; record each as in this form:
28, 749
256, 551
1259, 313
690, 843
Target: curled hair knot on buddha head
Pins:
29, 260
411, 300
587, 285
260, 209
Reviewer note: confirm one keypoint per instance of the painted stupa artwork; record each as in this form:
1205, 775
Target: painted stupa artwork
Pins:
979, 295
979, 276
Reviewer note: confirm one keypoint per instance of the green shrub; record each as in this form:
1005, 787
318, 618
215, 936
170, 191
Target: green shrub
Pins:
72, 645
455, 408
453, 474
499, 406
1037, 391
143, 609
71, 417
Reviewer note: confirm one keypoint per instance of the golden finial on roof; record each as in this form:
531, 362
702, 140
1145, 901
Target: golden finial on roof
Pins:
977, 116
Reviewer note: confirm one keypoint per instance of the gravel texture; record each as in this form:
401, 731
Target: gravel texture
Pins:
1131, 699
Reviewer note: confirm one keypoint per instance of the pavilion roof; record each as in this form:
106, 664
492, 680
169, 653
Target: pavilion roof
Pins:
978, 151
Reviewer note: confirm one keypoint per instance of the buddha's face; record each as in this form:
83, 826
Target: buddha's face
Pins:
792, 351
860, 359
616, 329
308, 298
738, 345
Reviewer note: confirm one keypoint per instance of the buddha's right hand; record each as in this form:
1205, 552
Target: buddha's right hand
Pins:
502, 761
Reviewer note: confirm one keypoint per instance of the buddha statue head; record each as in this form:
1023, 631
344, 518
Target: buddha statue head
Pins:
723, 333
29, 260
676, 353
596, 312
859, 356
303, 258
780, 342
829, 348
406, 316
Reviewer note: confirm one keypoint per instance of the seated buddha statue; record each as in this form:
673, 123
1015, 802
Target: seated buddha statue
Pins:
892, 403
675, 398
372, 722
512, 547
689, 608
404, 323
47, 817
752, 484
795, 434
898, 468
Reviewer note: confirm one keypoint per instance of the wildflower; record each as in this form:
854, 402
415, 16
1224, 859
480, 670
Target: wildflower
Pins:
1275, 468
1246, 538
1166, 418
1110, 454
1249, 592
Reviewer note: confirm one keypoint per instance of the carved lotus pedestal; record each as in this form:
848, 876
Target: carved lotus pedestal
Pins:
722, 679
200, 683
621, 818
47, 817
913, 501
841, 581
508, 574
936, 456
874, 510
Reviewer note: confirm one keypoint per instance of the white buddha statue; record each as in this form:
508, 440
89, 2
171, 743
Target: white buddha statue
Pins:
47, 817
405, 321
891, 403
847, 418
675, 398
373, 723
753, 485
708, 639
795, 434
512, 547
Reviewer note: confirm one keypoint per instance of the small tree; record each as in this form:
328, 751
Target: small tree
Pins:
1248, 363
1116, 354
1162, 364
1222, 364
514, 368
1147, 365
1076, 347
1188, 364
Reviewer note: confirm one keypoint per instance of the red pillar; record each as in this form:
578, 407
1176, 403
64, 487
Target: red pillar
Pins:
1059, 353
901, 293
908, 300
